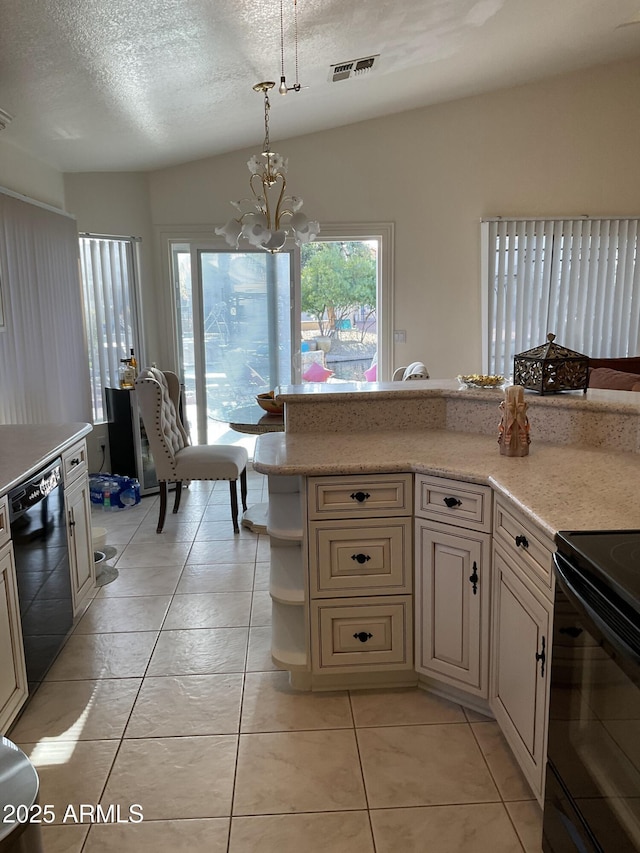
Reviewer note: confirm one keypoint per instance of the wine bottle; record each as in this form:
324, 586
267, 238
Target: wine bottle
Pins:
133, 364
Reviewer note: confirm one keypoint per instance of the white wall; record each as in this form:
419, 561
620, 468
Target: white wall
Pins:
567, 145
30, 177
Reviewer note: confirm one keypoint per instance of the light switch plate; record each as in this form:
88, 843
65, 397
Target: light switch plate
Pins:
400, 336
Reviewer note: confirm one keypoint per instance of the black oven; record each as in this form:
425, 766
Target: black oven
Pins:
592, 796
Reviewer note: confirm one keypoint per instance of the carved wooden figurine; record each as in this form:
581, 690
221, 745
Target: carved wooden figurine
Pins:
513, 431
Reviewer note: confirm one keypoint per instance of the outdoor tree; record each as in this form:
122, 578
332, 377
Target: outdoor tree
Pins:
337, 279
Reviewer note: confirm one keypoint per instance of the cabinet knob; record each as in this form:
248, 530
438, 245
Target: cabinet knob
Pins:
522, 540
451, 502
360, 558
362, 636
361, 497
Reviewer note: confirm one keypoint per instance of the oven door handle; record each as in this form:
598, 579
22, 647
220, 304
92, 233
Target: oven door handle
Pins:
580, 590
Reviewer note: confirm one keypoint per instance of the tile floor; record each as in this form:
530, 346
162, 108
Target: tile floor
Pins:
165, 696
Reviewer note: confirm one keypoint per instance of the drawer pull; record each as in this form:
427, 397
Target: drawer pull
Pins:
362, 636
360, 558
75, 461
541, 656
473, 579
522, 540
361, 497
451, 502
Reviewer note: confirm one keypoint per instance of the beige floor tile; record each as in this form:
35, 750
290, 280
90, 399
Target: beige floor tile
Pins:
478, 828
186, 515
238, 550
83, 710
259, 654
402, 707
476, 717
298, 772
161, 836
145, 581
137, 613
261, 610
527, 819
184, 531
209, 610
171, 706
154, 555
123, 655
423, 765
211, 530
262, 577
504, 768
327, 832
219, 511
270, 705
263, 553
63, 838
199, 652
223, 577
71, 772
120, 536
174, 778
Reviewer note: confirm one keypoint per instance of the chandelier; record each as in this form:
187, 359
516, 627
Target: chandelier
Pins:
267, 217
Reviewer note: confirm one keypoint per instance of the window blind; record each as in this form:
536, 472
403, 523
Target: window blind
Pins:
111, 317
577, 278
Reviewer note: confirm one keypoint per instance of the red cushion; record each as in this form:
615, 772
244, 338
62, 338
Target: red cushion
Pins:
614, 380
317, 373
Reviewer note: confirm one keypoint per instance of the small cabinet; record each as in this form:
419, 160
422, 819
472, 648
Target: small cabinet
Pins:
13, 676
452, 600
453, 590
81, 562
521, 653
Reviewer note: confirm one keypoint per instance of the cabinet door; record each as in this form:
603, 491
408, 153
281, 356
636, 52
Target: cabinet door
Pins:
13, 676
520, 658
81, 563
452, 605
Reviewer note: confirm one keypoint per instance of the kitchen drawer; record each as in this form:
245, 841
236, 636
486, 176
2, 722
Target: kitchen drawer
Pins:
520, 539
366, 557
5, 531
376, 633
360, 497
74, 462
454, 502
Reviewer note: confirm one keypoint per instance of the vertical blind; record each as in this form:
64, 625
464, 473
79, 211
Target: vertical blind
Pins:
577, 278
108, 279
43, 360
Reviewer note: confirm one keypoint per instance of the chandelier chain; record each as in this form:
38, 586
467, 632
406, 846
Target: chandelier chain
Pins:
267, 107
295, 42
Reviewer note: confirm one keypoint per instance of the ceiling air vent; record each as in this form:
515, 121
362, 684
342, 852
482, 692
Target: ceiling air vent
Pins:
5, 119
353, 68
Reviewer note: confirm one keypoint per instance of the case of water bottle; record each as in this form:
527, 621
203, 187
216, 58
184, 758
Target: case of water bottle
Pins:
113, 491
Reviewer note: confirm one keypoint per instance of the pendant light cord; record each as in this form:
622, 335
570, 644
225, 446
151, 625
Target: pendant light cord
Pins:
283, 88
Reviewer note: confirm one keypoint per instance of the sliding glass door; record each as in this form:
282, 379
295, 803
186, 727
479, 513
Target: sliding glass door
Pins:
235, 332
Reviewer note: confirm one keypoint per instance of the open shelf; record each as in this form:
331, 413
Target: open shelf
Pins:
284, 520
288, 636
287, 580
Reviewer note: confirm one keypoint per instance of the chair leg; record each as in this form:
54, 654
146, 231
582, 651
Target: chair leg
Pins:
163, 505
176, 502
243, 488
233, 488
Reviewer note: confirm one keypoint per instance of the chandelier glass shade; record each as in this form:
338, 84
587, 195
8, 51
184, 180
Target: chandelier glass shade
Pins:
269, 215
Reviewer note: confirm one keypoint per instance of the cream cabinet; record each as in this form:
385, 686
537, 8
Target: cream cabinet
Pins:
521, 639
452, 583
13, 676
360, 561
78, 510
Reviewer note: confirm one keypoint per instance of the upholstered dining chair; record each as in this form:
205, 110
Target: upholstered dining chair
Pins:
176, 459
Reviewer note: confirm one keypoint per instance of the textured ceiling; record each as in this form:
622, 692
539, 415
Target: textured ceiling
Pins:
120, 85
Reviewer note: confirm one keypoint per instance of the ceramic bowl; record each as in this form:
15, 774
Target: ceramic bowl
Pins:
266, 402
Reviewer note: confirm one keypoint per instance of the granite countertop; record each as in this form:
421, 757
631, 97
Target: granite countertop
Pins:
24, 448
558, 487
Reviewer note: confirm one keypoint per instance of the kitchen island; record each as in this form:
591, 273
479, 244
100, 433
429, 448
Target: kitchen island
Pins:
405, 548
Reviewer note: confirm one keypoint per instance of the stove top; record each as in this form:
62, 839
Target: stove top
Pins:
612, 556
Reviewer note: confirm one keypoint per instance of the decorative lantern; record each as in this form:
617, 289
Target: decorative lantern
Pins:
550, 368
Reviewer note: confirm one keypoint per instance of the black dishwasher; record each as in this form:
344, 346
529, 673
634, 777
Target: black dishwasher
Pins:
39, 536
